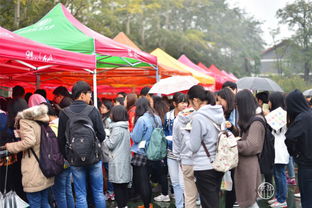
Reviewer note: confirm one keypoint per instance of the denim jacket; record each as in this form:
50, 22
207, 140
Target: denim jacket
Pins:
168, 126
142, 131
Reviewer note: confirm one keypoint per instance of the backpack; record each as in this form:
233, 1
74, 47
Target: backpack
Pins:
51, 160
82, 146
267, 156
227, 151
157, 147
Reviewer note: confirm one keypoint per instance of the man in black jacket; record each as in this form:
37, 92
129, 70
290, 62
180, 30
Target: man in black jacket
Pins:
81, 92
299, 142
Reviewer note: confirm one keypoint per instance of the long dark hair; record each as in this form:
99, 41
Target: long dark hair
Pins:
277, 100
179, 98
142, 106
200, 93
228, 95
246, 107
131, 99
160, 107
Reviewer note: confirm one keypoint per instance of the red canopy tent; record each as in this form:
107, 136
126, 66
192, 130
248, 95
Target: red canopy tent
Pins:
220, 79
21, 59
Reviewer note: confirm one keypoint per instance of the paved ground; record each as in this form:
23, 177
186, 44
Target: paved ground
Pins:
292, 201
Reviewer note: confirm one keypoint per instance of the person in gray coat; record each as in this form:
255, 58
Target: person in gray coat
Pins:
119, 145
204, 136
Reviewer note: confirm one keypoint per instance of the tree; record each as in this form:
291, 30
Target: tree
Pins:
298, 16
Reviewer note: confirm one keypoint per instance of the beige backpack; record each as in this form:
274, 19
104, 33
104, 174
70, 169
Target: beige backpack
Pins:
227, 152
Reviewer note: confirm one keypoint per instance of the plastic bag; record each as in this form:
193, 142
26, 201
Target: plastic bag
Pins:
227, 183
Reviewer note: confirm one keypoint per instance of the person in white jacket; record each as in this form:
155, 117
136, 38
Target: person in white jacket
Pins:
276, 100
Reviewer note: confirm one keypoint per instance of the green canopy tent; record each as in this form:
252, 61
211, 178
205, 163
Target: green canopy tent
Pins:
60, 29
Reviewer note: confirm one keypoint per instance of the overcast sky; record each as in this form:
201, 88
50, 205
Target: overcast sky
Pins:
264, 11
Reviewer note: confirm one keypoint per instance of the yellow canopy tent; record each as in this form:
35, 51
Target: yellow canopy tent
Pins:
165, 60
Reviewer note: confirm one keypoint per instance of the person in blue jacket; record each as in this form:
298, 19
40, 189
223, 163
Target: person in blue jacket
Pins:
145, 122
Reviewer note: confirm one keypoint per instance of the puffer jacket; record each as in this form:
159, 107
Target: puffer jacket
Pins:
33, 179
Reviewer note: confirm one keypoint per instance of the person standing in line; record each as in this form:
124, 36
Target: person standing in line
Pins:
145, 122
299, 142
175, 172
119, 144
204, 134
158, 169
247, 174
180, 134
226, 99
81, 92
276, 100
35, 184
62, 189
105, 107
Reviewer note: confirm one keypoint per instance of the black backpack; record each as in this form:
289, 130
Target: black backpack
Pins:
82, 146
51, 161
267, 156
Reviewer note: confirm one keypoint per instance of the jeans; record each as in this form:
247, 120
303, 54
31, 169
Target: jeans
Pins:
62, 190
305, 186
38, 199
176, 177
208, 184
291, 168
110, 188
280, 182
95, 175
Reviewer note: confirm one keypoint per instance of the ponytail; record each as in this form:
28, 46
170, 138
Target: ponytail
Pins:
200, 93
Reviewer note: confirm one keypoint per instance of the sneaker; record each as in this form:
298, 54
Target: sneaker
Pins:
198, 202
297, 195
235, 204
272, 201
142, 206
277, 204
291, 181
162, 198
110, 196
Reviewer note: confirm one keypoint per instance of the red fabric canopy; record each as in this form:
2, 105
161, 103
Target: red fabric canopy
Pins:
220, 79
19, 54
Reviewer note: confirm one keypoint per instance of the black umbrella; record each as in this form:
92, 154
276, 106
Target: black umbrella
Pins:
259, 84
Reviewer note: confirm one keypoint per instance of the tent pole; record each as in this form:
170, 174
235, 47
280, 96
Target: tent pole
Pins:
157, 74
94, 89
37, 81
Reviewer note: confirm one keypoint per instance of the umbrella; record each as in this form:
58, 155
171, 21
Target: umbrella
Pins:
174, 84
10, 199
307, 92
258, 83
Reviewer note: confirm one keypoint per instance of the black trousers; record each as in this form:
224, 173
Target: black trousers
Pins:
208, 184
158, 171
142, 185
230, 197
121, 194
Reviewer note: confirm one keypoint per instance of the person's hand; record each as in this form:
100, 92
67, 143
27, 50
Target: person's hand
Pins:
228, 124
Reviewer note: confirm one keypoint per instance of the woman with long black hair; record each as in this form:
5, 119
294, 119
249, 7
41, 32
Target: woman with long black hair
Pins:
247, 174
145, 122
204, 135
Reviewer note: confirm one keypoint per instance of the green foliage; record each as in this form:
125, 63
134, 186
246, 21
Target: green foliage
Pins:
298, 16
206, 31
289, 83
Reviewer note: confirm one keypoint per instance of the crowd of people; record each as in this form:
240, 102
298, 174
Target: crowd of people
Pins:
106, 157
